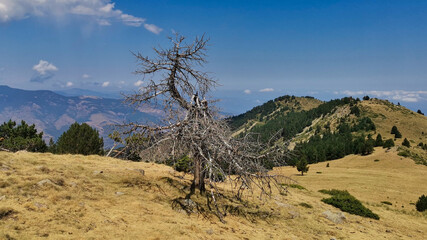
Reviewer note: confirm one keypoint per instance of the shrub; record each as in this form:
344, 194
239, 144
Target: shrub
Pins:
183, 164
306, 205
376, 160
421, 204
386, 203
404, 153
295, 186
347, 203
80, 139
327, 165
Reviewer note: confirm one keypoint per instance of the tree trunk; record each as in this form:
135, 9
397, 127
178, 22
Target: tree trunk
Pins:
199, 177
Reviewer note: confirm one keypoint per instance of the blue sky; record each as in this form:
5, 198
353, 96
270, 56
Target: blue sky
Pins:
258, 49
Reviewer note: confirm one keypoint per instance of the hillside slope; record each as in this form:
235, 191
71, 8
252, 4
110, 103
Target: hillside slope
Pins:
77, 197
386, 115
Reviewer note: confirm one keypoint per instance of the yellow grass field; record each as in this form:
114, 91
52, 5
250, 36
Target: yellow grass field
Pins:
50, 196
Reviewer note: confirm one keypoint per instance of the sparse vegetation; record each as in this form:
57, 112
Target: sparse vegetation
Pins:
347, 203
293, 185
386, 203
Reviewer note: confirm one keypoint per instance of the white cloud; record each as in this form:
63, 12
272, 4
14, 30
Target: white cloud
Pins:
44, 67
105, 84
69, 84
138, 83
247, 91
85, 76
398, 95
152, 28
266, 90
102, 11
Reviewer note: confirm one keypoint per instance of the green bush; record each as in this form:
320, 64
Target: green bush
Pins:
347, 203
421, 204
80, 139
15, 137
306, 205
388, 143
404, 153
183, 164
386, 203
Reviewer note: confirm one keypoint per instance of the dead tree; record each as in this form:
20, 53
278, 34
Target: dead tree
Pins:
191, 125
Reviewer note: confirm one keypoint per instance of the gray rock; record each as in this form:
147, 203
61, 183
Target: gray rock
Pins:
2, 197
140, 171
119, 193
336, 217
40, 205
45, 182
294, 214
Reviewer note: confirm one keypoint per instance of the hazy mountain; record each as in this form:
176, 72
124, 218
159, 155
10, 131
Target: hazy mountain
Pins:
76, 92
53, 113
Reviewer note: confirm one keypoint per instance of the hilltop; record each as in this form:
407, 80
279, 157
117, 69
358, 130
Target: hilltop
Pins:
92, 197
311, 126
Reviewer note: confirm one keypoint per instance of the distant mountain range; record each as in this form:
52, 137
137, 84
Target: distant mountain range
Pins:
53, 113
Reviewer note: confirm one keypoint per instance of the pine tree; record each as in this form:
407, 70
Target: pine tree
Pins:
396, 132
406, 143
80, 139
15, 137
379, 140
302, 165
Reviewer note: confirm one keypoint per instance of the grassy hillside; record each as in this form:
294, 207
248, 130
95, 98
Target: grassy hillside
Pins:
386, 115
77, 197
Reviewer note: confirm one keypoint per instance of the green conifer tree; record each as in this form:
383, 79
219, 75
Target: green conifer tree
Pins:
302, 165
406, 143
80, 139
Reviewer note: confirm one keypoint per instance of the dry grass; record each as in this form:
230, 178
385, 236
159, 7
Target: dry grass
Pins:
103, 198
386, 115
